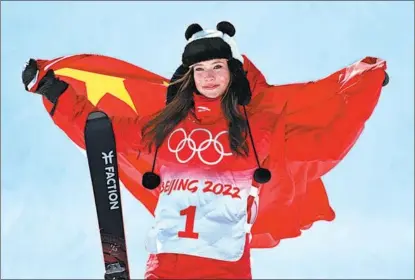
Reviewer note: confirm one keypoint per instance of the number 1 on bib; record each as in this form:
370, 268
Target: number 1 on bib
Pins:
190, 213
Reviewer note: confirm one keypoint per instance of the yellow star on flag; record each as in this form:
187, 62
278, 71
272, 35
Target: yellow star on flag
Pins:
97, 85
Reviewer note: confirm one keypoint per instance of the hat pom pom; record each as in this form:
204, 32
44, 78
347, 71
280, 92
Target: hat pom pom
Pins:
150, 180
192, 29
226, 27
262, 175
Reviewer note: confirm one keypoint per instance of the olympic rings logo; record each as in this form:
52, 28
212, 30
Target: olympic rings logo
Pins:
198, 149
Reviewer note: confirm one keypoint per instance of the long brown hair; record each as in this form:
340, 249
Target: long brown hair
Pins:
159, 127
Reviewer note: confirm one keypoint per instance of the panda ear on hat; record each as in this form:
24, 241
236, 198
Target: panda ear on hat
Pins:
192, 30
226, 27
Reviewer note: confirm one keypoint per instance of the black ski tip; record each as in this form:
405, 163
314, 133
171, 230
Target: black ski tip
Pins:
97, 115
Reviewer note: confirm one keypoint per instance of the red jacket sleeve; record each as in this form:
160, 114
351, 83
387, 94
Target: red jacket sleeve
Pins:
348, 97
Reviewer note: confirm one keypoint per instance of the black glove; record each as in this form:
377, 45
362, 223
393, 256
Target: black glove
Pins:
386, 80
49, 86
29, 73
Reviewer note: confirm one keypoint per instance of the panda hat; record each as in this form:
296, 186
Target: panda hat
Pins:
205, 45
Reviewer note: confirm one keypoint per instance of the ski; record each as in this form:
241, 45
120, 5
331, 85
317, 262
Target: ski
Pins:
103, 167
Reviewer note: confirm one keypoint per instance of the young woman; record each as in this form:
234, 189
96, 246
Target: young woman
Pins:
207, 145
212, 149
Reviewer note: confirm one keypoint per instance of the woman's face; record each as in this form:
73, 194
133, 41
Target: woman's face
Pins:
211, 77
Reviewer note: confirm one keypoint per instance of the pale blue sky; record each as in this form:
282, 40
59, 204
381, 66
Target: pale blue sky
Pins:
48, 223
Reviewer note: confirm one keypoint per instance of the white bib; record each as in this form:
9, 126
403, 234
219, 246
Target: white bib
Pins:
202, 214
